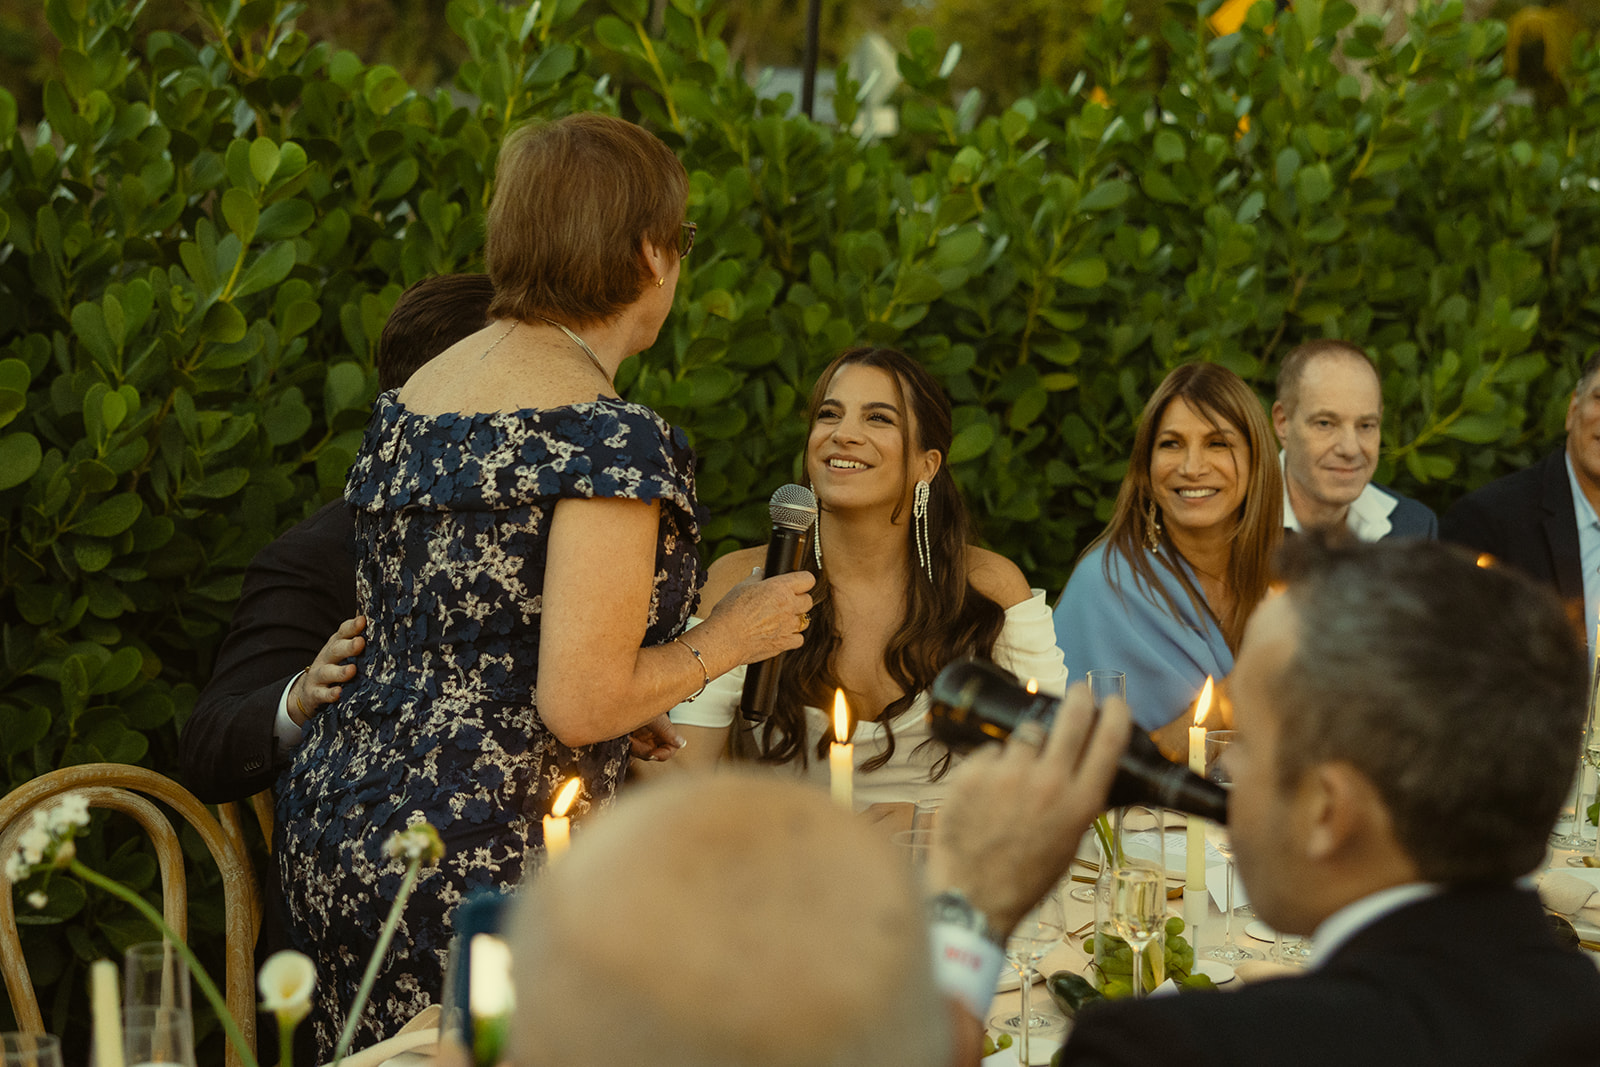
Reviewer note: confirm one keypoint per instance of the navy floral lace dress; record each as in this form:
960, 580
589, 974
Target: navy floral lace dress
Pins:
441, 723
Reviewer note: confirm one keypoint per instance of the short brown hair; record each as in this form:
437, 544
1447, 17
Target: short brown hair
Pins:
428, 318
1458, 691
1294, 364
574, 199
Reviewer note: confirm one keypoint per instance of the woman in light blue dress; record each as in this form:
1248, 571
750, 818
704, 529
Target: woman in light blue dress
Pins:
1163, 593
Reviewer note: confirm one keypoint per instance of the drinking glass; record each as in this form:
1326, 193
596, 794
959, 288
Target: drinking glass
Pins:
1103, 683
1217, 743
29, 1050
1138, 913
155, 976
925, 812
1138, 840
1039, 931
915, 845
158, 1037
1591, 756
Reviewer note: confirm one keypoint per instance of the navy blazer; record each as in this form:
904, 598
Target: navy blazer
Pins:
1526, 519
296, 592
1468, 977
1410, 518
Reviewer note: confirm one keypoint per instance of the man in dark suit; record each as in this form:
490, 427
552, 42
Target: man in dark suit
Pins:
1329, 418
1406, 724
302, 587
1534, 520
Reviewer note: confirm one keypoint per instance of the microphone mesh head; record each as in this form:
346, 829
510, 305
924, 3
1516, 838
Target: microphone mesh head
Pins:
793, 507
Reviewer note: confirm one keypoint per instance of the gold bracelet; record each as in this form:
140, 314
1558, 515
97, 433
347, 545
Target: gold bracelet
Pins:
299, 705
705, 675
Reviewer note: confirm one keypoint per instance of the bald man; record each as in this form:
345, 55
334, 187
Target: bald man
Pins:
1328, 417
741, 920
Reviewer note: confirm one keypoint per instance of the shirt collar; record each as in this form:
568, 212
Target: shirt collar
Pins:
1338, 928
1580, 500
1368, 517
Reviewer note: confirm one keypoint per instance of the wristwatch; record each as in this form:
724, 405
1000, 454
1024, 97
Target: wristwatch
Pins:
952, 908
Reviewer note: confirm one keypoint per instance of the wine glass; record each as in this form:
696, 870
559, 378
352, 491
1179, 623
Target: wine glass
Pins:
1591, 757
1217, 743
29, 1050
1138, 913
1039, 931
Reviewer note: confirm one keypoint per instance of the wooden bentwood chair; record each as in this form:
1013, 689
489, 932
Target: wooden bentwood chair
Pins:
117, 786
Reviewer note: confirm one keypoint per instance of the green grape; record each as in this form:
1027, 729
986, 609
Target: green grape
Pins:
1117, 990
1174, 926
1088, 946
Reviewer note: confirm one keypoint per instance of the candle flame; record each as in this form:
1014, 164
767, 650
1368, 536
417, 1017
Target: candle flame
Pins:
841, 717
564, 799
1203, 708
1485, 560
1033, 685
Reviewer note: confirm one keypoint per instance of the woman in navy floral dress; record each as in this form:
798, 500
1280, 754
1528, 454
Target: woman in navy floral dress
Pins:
528, 559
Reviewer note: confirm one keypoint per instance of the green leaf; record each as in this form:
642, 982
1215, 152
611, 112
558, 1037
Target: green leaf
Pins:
971, 442
344, 389
267, 270
240, 211
1105, 196
1313, 185
286, 218
263, 159
1169, 147
1084, 273
111, 517
19, 458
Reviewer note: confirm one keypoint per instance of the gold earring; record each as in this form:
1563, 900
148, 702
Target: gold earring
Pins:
660, 282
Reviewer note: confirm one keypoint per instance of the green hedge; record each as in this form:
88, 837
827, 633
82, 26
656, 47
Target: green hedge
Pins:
202, 243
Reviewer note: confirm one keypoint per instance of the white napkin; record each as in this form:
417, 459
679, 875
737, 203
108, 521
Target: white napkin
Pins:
1569, 896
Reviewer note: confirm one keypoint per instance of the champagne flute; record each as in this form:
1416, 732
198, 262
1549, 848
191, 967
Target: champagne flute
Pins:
1591, 756
1138, 913
1217, 743
1039, 931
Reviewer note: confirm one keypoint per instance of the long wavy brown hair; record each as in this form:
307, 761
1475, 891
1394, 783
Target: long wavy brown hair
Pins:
1218, 395
945, 617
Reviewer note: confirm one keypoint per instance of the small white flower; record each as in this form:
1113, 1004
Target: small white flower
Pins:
419, 841
286, 982
38, 899
16, 869
33, 843
70, 811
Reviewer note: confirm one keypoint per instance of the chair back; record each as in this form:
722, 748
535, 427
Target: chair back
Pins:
117, 786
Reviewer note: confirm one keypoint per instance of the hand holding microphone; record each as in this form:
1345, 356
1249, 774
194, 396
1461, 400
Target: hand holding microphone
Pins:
794, 514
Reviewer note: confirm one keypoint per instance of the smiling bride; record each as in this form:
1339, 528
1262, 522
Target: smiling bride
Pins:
900, 593
1163, 593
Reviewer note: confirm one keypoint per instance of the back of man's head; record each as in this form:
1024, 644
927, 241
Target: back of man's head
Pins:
428, 318
1457, 690
1293, 367
725, 921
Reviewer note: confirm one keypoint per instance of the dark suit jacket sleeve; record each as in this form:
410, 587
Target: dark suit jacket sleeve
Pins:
296, 593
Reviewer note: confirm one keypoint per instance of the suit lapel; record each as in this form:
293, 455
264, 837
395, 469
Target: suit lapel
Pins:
1561, 527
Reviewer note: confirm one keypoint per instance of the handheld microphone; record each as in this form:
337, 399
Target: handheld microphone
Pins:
794, 512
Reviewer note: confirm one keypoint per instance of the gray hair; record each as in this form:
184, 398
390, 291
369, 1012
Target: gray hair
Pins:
1458, 690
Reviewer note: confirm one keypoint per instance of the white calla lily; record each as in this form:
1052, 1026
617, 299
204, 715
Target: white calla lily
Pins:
286, 982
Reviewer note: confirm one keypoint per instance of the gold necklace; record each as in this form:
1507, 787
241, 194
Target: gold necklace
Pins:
514, 324
586, 349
